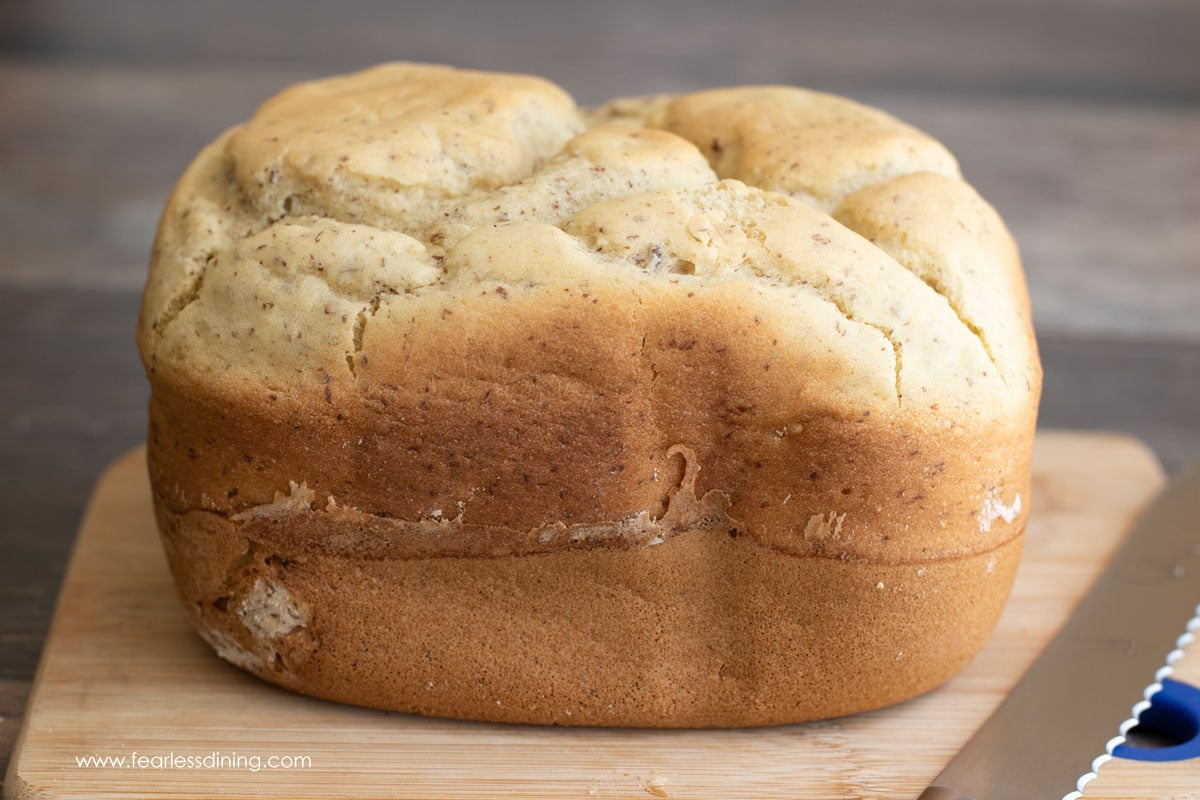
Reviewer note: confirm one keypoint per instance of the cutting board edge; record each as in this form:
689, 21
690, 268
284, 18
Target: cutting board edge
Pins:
15, 786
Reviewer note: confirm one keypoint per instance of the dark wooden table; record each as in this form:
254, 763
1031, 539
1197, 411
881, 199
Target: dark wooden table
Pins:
1079, 120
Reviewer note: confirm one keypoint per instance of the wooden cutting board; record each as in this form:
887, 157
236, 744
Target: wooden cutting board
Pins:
123, 673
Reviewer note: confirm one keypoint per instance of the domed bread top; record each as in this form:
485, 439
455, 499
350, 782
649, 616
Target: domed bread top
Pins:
301, 244
815, 147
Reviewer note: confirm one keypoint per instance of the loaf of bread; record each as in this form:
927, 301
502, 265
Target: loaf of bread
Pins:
700, 410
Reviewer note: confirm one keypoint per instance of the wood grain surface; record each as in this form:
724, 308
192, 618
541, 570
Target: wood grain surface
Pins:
1078, 119
124, 673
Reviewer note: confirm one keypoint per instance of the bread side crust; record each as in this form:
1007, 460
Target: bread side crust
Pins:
585, 420
703, 630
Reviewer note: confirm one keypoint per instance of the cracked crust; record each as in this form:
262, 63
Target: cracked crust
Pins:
417, 316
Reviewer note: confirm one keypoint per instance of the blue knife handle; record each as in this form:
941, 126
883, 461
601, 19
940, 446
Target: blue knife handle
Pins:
1175, 712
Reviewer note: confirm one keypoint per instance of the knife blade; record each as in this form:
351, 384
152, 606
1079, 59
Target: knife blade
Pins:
1048, 738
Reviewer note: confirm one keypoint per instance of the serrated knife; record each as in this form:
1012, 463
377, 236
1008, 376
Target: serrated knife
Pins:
1087, 688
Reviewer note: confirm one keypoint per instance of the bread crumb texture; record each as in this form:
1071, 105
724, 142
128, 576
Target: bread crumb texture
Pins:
742, 362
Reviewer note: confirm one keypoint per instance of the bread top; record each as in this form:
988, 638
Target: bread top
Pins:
355, 212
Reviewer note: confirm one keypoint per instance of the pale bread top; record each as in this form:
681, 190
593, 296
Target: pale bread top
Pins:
348, 210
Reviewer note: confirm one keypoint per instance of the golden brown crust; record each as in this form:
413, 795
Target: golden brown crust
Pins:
435, 354
704, 630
